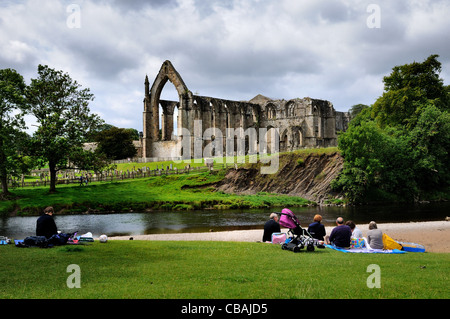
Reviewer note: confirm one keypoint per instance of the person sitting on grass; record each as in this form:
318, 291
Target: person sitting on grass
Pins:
316, 229
270, 227
45, 225
375, 236
341, 235
356, 232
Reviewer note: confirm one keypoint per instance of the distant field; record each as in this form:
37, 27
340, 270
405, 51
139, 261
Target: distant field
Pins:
172, 192
187, 191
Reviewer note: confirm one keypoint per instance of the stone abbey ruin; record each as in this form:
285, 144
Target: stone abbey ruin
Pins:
207, 126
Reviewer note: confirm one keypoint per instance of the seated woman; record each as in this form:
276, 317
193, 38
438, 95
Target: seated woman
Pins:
356, 233
316, 229
375, 236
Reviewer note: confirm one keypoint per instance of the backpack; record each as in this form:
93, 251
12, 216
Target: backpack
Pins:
59, 239
390, 244
37, 241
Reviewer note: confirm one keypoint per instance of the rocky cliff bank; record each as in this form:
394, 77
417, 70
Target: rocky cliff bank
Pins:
308, 176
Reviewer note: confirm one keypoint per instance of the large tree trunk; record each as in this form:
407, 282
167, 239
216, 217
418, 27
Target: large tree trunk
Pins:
52, 169
3, 174
5, 192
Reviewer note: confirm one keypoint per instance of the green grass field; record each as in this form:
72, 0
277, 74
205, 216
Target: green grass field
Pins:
198, 270
171, 192
218, 162
216, 270
166, 192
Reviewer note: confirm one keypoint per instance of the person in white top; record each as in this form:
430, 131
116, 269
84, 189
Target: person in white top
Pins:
356, 232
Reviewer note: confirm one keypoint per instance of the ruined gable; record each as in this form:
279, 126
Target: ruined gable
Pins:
300, 123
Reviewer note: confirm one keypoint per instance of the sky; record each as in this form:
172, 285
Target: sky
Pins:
335, 50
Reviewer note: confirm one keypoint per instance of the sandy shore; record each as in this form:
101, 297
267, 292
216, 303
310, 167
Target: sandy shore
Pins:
435, 236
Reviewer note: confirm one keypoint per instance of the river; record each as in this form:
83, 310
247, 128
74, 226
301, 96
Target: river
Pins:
140, 223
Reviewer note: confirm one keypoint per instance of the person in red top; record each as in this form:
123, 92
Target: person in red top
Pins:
316, 229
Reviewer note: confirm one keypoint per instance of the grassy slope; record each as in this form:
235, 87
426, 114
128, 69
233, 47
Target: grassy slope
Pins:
160, 192
144, 269
163, 192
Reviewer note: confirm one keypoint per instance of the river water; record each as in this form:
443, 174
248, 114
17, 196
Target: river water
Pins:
218, 220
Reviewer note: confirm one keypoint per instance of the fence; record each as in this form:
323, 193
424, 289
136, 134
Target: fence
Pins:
147, 160
120, 175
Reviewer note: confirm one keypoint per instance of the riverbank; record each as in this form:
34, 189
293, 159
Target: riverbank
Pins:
435, 235
186, 192
303, 179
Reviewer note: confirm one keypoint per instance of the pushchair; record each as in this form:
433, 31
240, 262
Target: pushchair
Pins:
299, 237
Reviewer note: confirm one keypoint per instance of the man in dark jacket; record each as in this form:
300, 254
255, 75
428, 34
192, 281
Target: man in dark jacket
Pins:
341, 235
270, 227
45, 225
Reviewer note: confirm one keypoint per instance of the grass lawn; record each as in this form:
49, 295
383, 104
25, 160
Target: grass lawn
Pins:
166, 192
216, 270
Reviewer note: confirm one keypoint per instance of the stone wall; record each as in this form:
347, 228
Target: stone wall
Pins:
204, 122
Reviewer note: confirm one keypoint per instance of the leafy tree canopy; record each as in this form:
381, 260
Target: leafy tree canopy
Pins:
356, 109
401, 144
12, 108
116, 143
61, 108
407, 89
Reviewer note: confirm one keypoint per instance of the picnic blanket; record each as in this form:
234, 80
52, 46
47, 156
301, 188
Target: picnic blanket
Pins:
366, 250
59, 239
412, 247
361, 245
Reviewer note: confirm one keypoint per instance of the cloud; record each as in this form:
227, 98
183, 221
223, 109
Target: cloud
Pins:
232, 49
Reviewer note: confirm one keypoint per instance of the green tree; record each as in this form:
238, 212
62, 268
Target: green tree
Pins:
374, 159
91, 161
429, 142
61, 108
400, 145
356, 109
133, 133
407, 89
12, 108
21, 160
91, 137
116, 143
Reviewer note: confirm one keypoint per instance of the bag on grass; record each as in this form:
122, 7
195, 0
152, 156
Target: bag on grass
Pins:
357, 243
86, 237
279, 238
390, 244
36, 241
59, 239
4, 240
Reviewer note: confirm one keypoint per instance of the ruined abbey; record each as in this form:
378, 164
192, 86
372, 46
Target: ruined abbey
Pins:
207, 126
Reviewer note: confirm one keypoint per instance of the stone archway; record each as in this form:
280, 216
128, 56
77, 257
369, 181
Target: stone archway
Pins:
297, 137
167, 119
152, 104
166, 73
285, 144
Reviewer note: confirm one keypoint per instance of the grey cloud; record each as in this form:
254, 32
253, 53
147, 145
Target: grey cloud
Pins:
134, 5
230, 49
102, 61
333, 11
